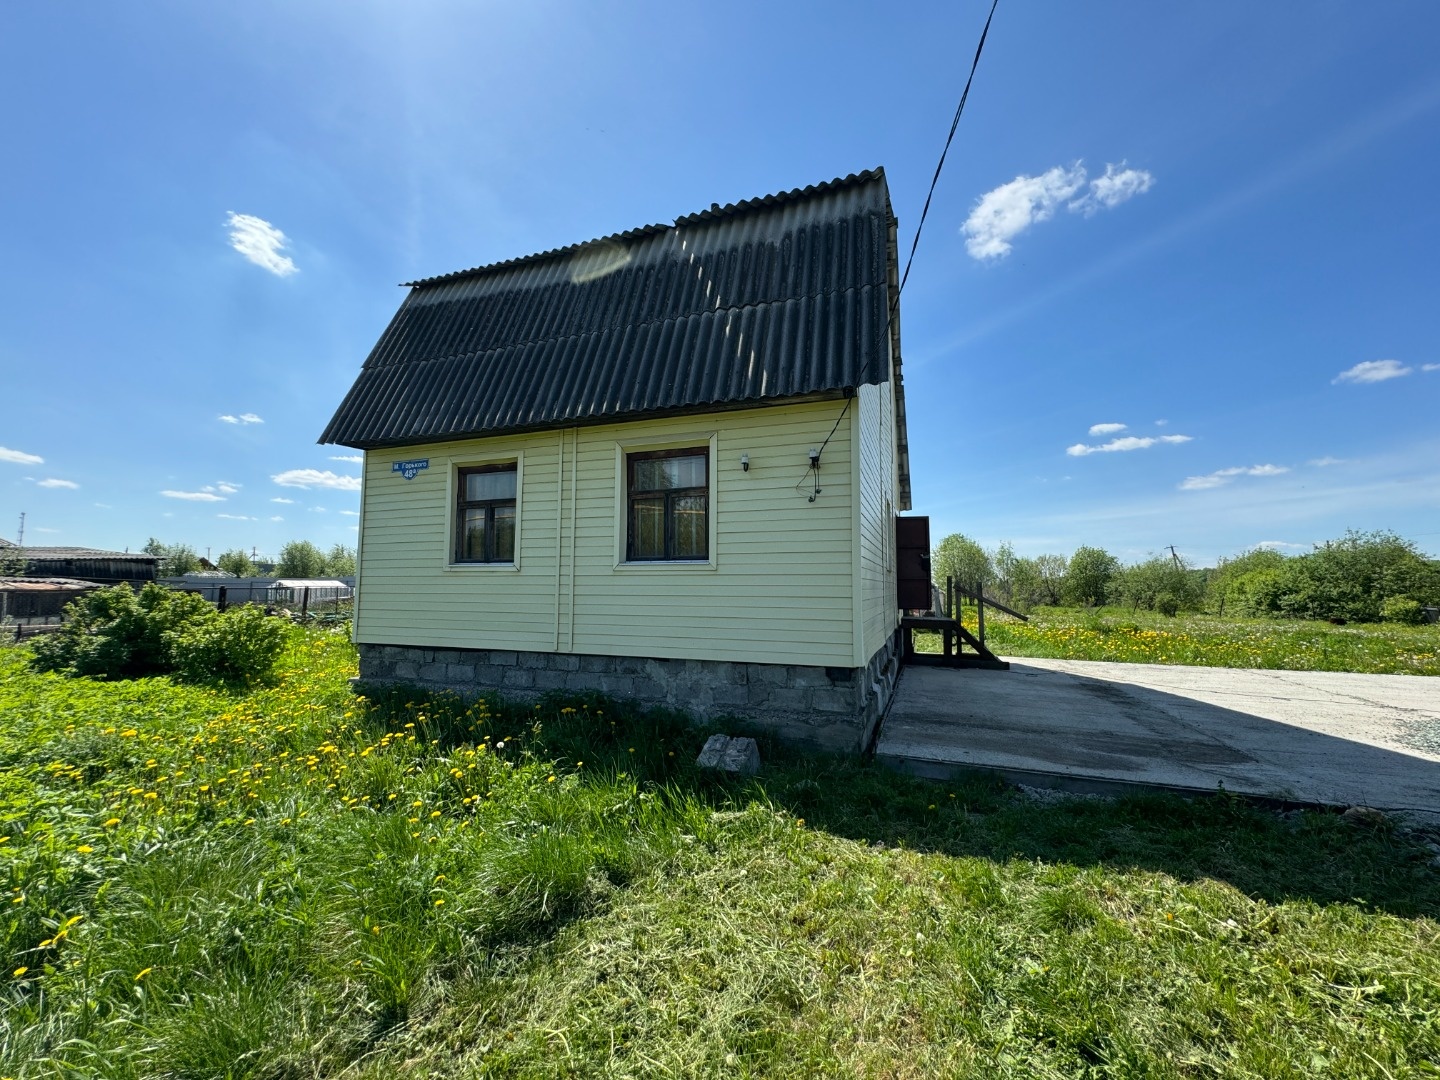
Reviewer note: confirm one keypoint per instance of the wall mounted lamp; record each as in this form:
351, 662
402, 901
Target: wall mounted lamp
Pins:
745, 462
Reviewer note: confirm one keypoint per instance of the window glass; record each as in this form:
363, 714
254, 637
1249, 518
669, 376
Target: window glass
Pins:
472, 533
504, 538
647, 529
668, 473
691, 530
490, 484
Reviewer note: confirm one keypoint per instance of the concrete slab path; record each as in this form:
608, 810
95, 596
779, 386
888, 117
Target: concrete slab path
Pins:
1315, 737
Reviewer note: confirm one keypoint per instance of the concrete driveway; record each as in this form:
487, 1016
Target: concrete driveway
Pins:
1314, 737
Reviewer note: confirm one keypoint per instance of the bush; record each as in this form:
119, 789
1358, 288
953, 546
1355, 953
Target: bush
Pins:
240, 645
1401, 609
1167, 604
118, 634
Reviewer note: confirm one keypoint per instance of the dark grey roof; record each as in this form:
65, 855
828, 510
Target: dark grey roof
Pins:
780, 298
80, 553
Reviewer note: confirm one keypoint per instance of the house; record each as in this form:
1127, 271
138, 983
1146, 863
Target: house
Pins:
664, 465
87, 564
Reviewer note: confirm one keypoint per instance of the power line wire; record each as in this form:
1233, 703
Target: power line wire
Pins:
948, 139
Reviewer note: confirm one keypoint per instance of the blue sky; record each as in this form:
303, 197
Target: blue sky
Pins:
1213, 224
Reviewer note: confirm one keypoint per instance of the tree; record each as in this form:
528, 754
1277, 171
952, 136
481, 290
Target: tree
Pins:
1352, 577
1087, 576
963, 559
236, 562
341, 561
1160, 582
175, 559
300, 559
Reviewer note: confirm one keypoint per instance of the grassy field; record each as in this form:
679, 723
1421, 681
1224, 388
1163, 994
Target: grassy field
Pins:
291, 882
1145, 637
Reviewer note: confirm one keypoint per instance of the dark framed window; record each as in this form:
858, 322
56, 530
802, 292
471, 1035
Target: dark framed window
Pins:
485, 514
668, 517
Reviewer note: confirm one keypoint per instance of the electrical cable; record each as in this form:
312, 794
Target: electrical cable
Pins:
953, 125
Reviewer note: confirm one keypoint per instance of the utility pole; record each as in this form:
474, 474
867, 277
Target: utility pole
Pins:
1174, 557
20, 540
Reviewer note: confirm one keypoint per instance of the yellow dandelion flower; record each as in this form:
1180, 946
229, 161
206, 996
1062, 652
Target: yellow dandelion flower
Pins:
84, 849
20, 971
142, 973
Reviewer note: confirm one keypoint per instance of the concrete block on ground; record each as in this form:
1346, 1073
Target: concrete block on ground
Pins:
738, 756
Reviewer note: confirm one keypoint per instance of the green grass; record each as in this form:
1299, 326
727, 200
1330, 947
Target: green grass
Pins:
293, 883
1145, 637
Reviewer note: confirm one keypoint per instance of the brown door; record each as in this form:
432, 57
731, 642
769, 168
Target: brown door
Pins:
912, 562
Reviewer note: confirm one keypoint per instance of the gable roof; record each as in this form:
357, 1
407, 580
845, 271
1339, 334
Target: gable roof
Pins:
779, 298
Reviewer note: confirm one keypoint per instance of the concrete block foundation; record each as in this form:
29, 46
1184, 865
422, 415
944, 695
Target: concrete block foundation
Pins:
831, 708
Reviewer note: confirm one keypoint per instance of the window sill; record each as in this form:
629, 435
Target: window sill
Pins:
466, 567
667, 565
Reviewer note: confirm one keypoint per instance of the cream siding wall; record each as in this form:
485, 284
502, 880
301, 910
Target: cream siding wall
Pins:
875, 432
779, 587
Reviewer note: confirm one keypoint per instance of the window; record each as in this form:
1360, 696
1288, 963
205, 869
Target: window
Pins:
669, 511
485, 514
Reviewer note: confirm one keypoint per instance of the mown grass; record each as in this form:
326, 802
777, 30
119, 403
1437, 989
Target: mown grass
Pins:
1144, 637
291, 882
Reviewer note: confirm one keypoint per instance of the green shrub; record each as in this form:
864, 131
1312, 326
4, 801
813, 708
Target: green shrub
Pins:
1401, 609
118, 634
1167, 604
240, 645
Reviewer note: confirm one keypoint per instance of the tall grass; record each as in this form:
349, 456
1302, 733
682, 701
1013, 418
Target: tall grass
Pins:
1144, 637
294, 882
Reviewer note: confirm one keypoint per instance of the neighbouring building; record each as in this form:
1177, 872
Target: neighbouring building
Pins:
664, 465
86, 564
31, 601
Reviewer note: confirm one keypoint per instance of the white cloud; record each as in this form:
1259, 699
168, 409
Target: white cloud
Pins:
1368, 371
193, 496
350, 513
1221, 477
277, 517
1276, 545
1005, 212
1321, 462
51, 482
243, 418
315, 478
43, 529
1161, 423
347, 457
317, 509
1129, 442
1106, 429
1118, 185
282, 499
261, 243
236, 517
19, 457
105, 506
226, 487
1002, 214
1430, 367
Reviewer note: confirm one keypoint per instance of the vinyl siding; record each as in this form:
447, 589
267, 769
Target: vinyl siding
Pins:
779, 587
875, 427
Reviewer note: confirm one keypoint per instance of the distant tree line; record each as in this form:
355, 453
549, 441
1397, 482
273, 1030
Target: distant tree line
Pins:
1361, 577
297, 559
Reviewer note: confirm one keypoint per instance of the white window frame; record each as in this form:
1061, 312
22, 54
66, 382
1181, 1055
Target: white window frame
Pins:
643, 444
453, 465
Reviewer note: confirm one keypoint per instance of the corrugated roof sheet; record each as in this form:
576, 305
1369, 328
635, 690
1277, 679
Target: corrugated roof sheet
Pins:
778, 298
79, 553
19, 584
